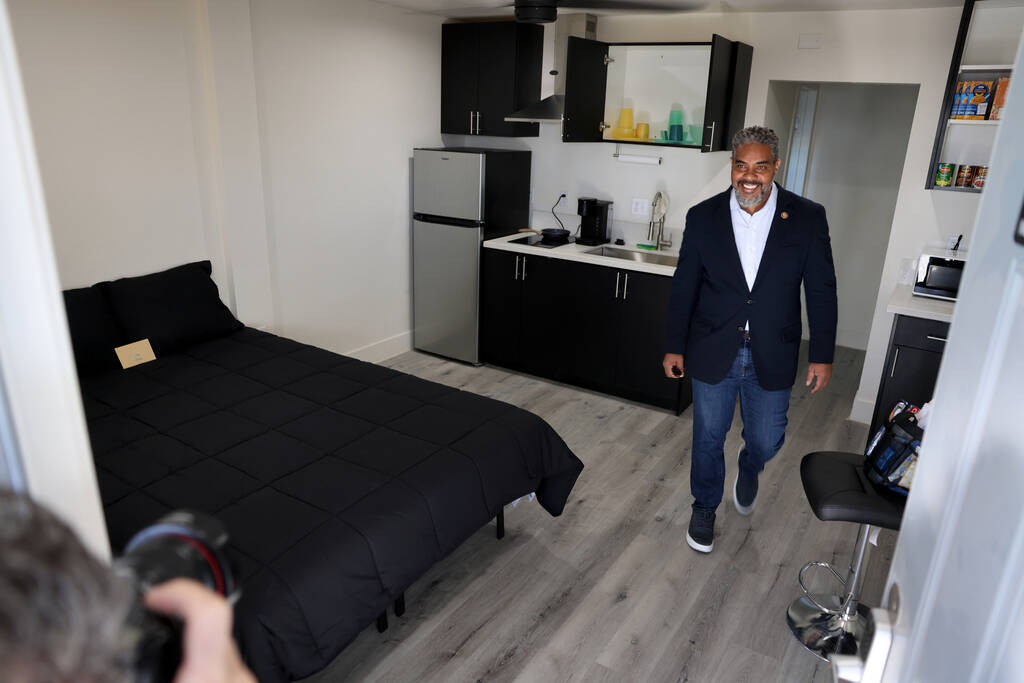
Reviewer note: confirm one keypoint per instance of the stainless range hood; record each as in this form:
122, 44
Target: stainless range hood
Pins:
551, 108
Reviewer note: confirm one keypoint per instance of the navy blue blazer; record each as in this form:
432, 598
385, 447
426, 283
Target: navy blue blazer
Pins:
710, 300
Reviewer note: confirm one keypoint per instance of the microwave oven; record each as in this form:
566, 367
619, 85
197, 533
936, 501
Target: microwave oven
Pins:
939, 273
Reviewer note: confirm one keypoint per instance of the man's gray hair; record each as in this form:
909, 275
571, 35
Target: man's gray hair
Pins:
61, 610
758, 135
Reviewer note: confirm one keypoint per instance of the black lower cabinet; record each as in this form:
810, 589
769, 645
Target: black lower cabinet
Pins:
911, 365
596, 327
642, 322
522, 313
501, 302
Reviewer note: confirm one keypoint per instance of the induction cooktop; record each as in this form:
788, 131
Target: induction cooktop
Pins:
538, 241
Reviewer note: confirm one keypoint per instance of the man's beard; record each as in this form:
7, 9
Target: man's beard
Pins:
753, 201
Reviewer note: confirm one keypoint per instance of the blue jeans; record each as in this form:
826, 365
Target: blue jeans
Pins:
764, 427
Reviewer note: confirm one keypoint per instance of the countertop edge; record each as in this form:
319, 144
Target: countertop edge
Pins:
574, 252
903, 302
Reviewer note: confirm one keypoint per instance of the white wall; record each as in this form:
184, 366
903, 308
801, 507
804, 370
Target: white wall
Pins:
272, 138
868, 46
859, 144
108, 91
345, 90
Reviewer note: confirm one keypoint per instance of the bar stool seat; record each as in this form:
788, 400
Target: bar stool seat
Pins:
838, 490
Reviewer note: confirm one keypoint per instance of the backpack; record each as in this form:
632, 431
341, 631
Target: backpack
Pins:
892, 454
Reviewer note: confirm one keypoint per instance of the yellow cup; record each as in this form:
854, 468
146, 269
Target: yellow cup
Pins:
643, 131
626, 118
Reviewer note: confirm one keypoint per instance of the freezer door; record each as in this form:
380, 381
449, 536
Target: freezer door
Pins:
446, 267
449, 184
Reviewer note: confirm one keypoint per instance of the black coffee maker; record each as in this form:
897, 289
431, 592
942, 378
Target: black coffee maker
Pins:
594, 226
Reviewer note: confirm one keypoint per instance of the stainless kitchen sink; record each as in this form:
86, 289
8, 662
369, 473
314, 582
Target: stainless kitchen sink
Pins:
630, 255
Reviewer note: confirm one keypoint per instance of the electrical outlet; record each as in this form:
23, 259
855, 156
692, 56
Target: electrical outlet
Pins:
639, 206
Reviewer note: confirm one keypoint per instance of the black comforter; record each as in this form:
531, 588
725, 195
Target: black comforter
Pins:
340, 481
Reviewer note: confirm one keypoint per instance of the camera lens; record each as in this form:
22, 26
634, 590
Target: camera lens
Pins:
181, 544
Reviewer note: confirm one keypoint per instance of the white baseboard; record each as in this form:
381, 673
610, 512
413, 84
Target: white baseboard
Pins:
862, 409
383, 349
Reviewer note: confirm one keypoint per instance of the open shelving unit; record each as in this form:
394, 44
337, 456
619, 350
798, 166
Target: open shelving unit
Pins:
985, 47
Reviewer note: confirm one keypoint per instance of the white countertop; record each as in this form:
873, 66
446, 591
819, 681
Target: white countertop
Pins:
576, 252
904, 302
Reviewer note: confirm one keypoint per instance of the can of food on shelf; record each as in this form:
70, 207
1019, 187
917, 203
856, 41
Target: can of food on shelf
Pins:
980, 173
964, 175
944, 175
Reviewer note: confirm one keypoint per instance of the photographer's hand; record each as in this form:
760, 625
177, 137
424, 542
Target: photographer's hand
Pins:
209, 653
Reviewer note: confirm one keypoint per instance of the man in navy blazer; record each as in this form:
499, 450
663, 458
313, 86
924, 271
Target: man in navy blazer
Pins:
734, 320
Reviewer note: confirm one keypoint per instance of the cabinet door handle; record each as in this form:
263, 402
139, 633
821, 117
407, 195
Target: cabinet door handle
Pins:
625, 288
478, 130
515, 275
941, 339
711, 140
617, 285
894, 359
524, 267
470, 123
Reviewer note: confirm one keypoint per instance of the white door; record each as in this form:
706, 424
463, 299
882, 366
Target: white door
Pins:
958, 567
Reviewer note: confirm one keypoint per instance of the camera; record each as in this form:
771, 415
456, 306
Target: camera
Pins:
182, 544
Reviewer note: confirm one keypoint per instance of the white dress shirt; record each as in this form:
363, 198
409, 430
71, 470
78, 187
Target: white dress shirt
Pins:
751, 233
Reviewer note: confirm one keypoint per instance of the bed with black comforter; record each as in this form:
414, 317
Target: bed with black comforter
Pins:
340, 482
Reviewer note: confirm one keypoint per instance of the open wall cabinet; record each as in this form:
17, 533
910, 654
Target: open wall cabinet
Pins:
611, 88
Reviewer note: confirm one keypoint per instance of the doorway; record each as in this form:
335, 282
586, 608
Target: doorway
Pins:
843, 145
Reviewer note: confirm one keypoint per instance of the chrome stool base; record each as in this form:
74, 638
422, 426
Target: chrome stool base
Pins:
826, 633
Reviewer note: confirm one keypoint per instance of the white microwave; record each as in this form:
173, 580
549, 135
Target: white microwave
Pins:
939, 273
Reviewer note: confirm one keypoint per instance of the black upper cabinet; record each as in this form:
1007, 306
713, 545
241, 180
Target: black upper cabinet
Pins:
591, 114
488, 71
586, 75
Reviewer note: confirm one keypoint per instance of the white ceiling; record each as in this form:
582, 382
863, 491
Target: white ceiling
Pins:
498, 8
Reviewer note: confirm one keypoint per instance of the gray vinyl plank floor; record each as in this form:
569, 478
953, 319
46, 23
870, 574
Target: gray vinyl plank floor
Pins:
609, 591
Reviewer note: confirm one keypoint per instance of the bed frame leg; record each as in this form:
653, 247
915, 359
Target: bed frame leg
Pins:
400, 605
382, 622
500, 519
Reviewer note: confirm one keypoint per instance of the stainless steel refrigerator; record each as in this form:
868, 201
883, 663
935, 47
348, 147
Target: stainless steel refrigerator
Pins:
461, 196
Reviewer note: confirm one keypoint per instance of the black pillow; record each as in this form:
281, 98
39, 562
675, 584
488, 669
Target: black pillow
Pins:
173, 308
94, 333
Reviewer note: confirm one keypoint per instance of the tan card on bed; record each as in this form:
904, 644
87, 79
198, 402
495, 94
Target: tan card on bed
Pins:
135, 353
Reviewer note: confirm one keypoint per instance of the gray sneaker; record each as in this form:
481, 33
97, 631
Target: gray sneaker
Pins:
701, 534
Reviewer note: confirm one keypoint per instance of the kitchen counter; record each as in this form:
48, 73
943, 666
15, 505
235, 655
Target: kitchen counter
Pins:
903, 302
577, 252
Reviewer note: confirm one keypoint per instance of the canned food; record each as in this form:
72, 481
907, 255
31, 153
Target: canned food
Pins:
980, 173
964, 175
944, 175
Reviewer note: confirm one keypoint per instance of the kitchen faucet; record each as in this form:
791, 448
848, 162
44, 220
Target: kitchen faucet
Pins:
656, 228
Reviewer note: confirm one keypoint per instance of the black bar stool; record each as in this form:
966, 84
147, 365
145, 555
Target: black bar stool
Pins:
839, 491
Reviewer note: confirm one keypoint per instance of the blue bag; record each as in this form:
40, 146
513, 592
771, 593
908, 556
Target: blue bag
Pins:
892, 454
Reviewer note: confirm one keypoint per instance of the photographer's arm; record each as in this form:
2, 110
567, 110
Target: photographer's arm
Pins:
209, 653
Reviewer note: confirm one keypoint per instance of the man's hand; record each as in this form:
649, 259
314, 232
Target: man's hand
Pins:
673, 360
209, 654
820, 371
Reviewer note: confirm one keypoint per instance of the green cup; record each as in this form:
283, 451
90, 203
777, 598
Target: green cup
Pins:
696, 134
664, 135
675, 117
